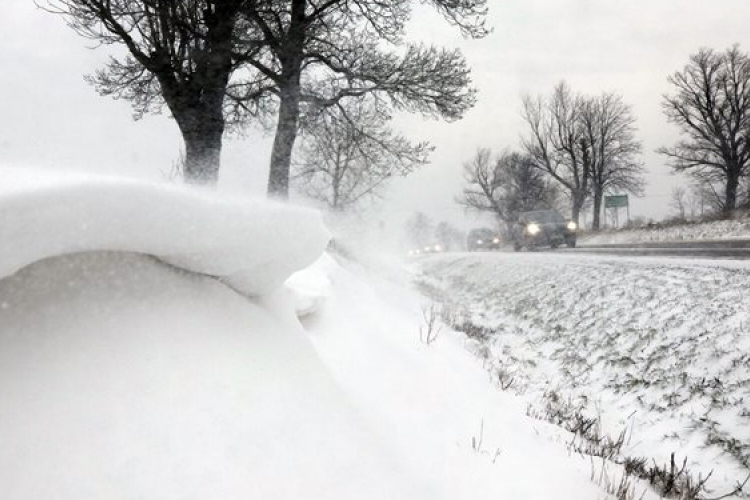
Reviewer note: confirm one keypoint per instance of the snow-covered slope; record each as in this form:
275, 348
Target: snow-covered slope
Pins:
252, 245
121, 378
657, 348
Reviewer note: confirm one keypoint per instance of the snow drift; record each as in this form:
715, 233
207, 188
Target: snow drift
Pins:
125, 378
121, 378
252, 245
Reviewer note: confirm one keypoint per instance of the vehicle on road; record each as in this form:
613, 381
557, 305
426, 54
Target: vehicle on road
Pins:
543, 228
436, 248
483, 239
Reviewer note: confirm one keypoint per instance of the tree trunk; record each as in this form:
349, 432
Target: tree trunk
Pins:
578, 200
730, 199
293, 53
201, 121
283, 144
336, 190
598, 197
203, 156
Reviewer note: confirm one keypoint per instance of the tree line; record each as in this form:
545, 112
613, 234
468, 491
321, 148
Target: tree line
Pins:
334, 71
584, 147
299, 64
577, 146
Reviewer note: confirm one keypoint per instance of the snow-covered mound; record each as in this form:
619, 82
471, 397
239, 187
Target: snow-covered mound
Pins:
311, 287
123, 378
252, 245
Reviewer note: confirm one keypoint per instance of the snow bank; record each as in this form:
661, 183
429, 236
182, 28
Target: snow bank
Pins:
122, 378
252, 245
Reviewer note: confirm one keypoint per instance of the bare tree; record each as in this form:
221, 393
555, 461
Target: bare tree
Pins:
609, 145
419, 230
179, 53
483, 188
711, 105
505, 186
349, 153
707, 194
679, 201
317, 53
557, 142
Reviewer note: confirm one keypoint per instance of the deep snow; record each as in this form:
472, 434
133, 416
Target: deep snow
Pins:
251, 244
123, 379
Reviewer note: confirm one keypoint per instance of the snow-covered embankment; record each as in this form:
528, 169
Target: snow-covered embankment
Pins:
657, 348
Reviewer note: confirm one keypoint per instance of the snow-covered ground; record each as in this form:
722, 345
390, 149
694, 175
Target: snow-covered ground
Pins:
656, 348
148, 349
710, 230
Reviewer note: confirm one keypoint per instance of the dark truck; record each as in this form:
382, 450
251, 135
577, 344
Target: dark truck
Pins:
543, 228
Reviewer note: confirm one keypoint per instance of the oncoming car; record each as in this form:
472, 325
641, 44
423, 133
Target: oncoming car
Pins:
426, 250
483, 239
543, 228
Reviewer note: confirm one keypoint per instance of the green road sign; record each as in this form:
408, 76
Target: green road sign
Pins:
616, 201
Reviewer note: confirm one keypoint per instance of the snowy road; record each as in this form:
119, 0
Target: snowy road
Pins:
656, 347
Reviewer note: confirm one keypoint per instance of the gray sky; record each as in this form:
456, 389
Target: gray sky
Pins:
51, 118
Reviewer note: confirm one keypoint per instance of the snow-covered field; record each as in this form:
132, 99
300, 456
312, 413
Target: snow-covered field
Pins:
710, 230
658, 349
149, 349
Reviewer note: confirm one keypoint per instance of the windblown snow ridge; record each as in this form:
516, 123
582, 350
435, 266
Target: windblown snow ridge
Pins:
251, 244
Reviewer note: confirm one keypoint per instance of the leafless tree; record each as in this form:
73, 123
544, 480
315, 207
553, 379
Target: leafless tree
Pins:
181, 54
349, 153
679, 201
611, 148
557, 142
210, 60
505, 186
711, 106
419, 230
317, 53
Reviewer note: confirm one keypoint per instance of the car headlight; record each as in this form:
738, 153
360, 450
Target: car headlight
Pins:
479, 242
496, 241
437, 248
533, 228
572, 226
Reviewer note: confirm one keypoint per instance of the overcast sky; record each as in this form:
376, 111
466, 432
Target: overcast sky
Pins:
49, 117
